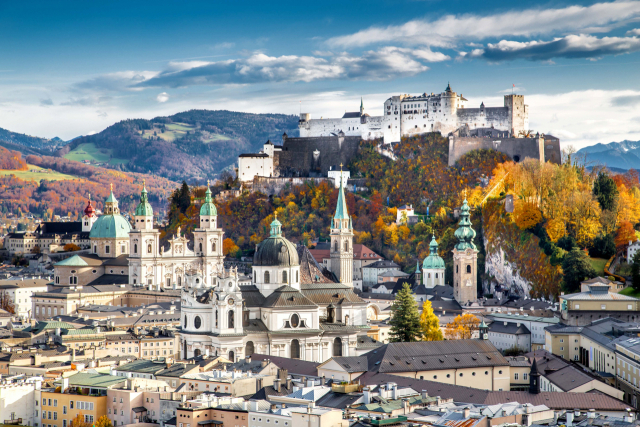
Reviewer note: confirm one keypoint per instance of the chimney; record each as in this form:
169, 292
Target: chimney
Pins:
276, 385
264, 363
183, 399
569, 416
254, 405
466, 412
273, 407
405, 406
288, 382
394, 391
366, 394
591, 413
424, 394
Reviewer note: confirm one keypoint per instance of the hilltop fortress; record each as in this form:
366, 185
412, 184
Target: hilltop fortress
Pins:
406, 115
324, 143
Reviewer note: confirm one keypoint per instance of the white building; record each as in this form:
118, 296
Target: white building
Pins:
20, 292
433, 267
18, 399
371, 272
403, 213
535, 324
406, 115
259, 164
506, 335
632, 249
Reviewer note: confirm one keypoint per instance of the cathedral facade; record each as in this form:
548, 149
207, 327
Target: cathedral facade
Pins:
291, 309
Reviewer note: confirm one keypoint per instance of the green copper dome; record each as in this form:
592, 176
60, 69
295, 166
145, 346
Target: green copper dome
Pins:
208, 208
276, 250
465, 234
112, 225
144, 208
433, 261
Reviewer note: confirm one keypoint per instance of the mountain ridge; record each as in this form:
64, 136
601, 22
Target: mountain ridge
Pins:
621, 155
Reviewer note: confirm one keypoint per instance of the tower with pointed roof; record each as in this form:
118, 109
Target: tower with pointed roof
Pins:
342, 241
89, 217
361, 107
465, 260
433, 266
207, 239
144, 241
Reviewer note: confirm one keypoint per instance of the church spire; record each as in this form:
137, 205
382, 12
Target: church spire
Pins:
144, 208
465, 234
361, 107
276, 226
341, 206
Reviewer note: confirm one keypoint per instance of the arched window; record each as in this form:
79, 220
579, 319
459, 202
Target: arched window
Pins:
284, 277
436, 275
266, 277
70, 280
213, 246
95, 249
216, 318
149, 248
135, 248
346, 246
337, 347
179, 280
185, 321
336, 246
197, 322
428, 275
75, 280
255, 277
295, 349
200, 247
231, 319
248, 350
232, 356
196, 352
468, 268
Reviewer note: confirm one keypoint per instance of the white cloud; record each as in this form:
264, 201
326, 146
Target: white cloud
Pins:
163, 97
119, 81
448, 30
634, 32
572, 46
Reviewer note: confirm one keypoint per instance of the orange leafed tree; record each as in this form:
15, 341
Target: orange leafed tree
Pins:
625, 234
527, 215
462, 327
555, 229
71, 247
229, 247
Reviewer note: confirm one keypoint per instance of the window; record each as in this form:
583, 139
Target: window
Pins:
55, 415
603, 306
231, 319
284, 277
515, 376
64, 409
122, 249
106, 249
266, 277
149, 248
524, 376
135, 248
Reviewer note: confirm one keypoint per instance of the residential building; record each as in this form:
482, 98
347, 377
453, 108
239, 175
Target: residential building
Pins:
80, 394
403, 213
20, 292
392, 276
471, 363
362, 257
535, 324
632, 249
507, 335
136, 401
233, 383
338, 173
371, 271
18, 402
598, 302
614, 286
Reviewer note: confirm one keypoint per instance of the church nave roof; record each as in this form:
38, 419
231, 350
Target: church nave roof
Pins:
286, 296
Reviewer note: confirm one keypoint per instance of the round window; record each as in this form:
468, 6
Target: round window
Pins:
230, 284
295, 320
197, 322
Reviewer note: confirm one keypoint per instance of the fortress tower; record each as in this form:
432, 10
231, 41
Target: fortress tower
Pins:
465, 260
518, 113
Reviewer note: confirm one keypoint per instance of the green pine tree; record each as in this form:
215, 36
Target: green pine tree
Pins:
606, 191
577, 268
405, 318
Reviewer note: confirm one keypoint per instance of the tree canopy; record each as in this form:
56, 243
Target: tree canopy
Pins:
405, 319
430, 323
576, 268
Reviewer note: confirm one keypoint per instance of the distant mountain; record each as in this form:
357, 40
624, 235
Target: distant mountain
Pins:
34, 142
621, 155
193, 145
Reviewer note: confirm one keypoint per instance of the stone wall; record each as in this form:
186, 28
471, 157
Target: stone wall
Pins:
302, 157
518, 149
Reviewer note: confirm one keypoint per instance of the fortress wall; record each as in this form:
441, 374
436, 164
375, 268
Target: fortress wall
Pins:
516, 148
496, 117
552, 151
297, 156
273, 186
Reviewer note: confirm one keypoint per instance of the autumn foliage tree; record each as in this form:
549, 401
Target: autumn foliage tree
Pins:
71, 247
79, 421
625, 234
229, 247
430, 323
103, 421
527, 215
463, 327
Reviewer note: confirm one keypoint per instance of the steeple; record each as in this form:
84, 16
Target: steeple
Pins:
361, 107
342, 214
534, 378
144, 208
208, 208
111, 204
465, 234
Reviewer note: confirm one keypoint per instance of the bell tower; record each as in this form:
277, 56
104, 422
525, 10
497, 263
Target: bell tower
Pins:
465, 260
342, 240
207, 239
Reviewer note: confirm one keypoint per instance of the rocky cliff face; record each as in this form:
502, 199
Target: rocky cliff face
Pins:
502, 275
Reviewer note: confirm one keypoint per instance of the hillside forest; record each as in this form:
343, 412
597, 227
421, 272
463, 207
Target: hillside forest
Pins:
193, 145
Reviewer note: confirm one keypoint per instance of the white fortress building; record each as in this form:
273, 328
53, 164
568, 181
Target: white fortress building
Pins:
406, 115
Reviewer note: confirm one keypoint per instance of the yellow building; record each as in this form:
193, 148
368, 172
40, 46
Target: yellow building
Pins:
82, 394
582, 308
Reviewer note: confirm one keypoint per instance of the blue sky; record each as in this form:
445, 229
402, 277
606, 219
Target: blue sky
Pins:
70, 68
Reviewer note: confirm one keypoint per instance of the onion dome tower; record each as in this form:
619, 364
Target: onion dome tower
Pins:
465, 260
433, 266
89, 217
110, 232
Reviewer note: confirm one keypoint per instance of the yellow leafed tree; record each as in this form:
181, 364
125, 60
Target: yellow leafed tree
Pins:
430, 324
527, 215
462, 327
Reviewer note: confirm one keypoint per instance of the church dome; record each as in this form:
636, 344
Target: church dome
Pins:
276, 251
89, 210
433, 261
208, 208
112, 225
